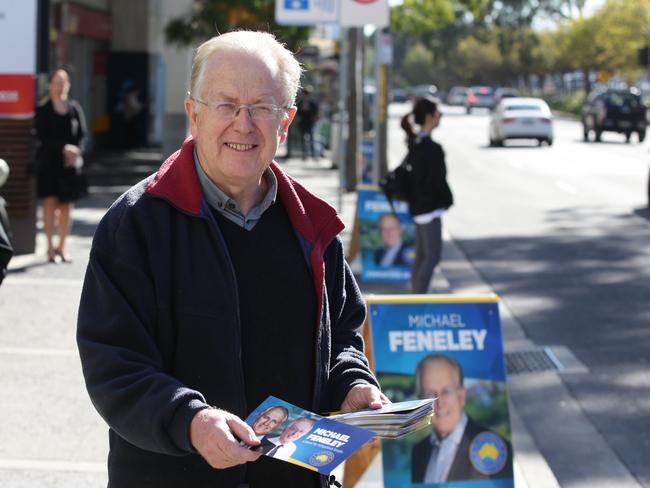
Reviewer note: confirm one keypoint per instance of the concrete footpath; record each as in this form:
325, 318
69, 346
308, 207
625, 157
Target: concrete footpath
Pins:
51, 436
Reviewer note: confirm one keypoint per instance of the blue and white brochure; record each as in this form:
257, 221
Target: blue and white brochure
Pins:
304, 438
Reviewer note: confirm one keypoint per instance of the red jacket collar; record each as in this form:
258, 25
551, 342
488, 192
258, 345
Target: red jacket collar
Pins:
177, 182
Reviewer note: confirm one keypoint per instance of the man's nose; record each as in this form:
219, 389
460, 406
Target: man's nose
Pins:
243, 119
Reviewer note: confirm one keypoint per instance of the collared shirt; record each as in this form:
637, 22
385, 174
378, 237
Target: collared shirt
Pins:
390, 254
228, 207
281, 451
440, 463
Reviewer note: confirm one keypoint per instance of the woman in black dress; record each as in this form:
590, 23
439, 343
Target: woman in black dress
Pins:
60, 130
430, 193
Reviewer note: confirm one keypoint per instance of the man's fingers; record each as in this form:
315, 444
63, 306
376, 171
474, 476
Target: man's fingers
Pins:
243, 431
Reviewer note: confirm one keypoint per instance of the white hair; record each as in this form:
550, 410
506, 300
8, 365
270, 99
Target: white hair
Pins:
263, 45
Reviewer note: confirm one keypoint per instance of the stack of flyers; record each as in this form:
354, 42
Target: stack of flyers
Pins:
300, 437
392, 421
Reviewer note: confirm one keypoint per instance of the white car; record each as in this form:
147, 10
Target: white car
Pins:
521, 118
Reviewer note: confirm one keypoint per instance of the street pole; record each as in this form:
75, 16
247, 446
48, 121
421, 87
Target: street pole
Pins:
383, 57
354, 84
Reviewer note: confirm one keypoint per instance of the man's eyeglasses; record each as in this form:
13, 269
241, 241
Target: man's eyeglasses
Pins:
446, 392
256, 111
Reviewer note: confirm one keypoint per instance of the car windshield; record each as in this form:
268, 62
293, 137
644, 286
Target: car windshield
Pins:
622, 99
534, 108
482, 90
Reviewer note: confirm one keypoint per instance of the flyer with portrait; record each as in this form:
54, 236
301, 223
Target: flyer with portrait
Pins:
300, 437
387, 237
449, 347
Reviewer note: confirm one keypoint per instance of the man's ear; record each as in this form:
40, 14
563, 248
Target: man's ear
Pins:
462, 394
191, 115
286, 122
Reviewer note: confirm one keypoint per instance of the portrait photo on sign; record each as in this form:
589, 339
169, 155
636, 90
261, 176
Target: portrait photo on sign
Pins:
451, 352
387, 236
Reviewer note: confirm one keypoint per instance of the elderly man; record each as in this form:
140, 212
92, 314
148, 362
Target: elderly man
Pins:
269, 420
283, 446
458, 448
394, 252
216, 282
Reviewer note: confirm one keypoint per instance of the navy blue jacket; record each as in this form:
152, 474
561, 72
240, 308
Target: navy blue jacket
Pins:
158, 327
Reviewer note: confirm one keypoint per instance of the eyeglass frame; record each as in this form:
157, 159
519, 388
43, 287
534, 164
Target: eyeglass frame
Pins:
237, 108
446, 392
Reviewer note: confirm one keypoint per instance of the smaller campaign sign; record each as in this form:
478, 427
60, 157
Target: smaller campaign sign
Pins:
387, 237
303, 438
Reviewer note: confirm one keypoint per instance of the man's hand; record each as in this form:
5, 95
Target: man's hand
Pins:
362, 396
215, 435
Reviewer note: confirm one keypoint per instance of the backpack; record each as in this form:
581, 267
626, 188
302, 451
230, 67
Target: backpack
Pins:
397, 184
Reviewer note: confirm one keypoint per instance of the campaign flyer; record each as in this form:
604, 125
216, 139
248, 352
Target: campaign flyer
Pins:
449, 347
387, 237
297, 436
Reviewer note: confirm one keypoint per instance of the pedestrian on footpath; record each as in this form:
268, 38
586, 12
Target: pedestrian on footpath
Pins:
430, 194
307, 117
217, 282
60, 132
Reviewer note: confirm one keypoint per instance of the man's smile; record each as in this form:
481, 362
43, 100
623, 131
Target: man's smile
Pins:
240, 147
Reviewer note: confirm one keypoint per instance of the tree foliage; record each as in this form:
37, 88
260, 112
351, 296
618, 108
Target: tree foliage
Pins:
211, 17
499, 41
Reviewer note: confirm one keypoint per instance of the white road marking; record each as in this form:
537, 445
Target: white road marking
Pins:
33, 351
564, 186
33, 464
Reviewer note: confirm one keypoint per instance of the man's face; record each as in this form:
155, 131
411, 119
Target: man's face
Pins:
268, 421
441, 380
295, 431
235, 152
391, 231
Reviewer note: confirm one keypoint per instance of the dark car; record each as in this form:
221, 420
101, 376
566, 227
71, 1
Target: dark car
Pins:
479, 97
501, 93
611, 110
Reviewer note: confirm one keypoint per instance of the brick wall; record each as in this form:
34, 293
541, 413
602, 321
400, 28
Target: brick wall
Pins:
16, 146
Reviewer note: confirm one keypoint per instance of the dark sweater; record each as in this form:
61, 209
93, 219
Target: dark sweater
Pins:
274, 282
430, 188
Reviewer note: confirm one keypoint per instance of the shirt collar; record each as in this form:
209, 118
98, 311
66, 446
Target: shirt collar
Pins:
220, 201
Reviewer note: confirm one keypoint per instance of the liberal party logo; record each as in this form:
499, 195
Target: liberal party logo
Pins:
488, 453
321, 458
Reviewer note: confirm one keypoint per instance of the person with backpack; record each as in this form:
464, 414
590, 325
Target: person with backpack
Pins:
429, 194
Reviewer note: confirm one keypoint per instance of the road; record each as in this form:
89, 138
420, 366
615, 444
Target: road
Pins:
562, 234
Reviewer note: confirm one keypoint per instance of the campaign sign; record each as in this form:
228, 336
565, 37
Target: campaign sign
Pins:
448, 347
387, 238
300, 437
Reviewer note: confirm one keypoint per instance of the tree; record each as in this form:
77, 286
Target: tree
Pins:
210, 17
418, 67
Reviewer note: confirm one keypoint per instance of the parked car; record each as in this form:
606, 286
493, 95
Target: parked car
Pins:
521, 118
479, 97
418, 91
457, 96
612, 110
399, 95
501, 93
